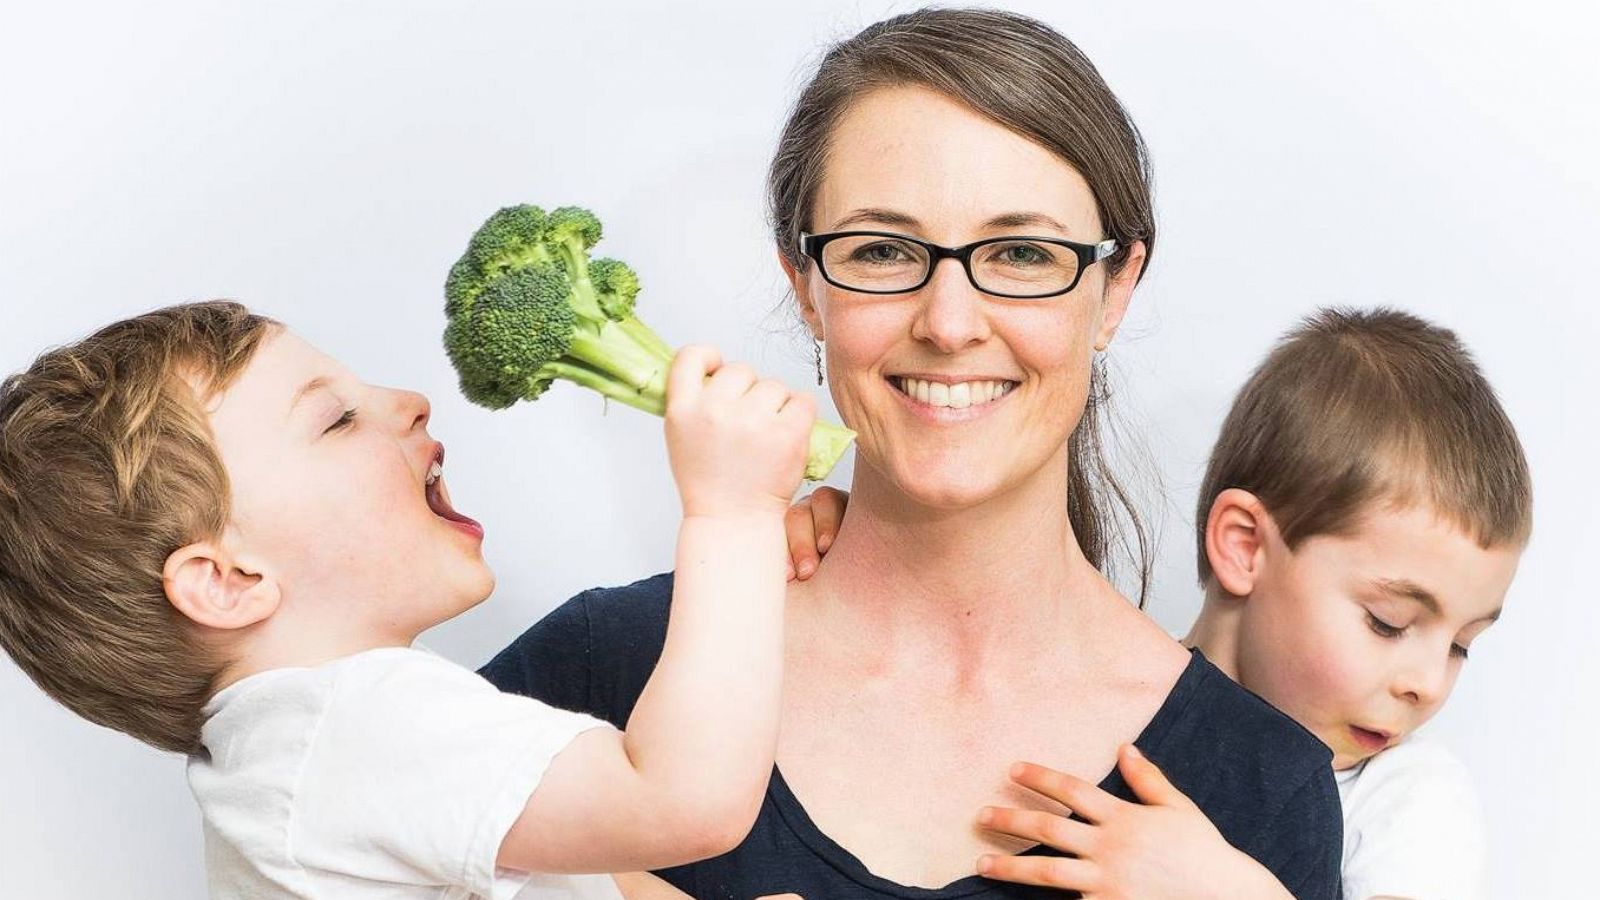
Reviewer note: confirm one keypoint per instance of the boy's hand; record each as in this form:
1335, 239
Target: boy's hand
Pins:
737, 445
1166, 848
811, 525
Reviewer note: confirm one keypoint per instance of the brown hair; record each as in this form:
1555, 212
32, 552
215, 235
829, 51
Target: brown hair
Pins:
1028, 78
1356, 406
107, 466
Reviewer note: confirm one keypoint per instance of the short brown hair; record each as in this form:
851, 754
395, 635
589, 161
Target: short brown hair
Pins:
1355, 406
107, 466
1027, 77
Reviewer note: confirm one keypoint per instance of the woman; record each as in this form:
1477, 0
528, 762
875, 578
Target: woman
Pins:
960, 622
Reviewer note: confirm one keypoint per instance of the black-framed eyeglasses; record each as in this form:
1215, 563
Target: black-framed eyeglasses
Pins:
1016, 266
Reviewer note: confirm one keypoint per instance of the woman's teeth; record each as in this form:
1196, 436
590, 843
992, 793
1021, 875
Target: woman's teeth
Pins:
960, 395
434, 471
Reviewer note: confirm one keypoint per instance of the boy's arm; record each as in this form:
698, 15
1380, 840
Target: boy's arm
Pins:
686, 780
1164, 847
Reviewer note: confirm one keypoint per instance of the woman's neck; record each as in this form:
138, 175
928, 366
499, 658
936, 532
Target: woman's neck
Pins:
963, 584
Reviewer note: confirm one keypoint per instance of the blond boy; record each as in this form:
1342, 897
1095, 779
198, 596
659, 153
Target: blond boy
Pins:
216, 539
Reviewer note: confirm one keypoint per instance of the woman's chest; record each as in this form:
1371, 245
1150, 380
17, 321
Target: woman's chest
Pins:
898, 782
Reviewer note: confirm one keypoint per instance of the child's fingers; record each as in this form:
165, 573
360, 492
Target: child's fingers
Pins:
1039, 827
768, 395
799, 410
690, 366
729, 382
1083, 798
1149, 784
797, 528
827, 511
1059, 872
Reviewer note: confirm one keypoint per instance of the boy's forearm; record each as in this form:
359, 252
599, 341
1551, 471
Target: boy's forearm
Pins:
705, 726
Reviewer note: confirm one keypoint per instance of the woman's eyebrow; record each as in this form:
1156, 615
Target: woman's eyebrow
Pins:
1021, 219
881, 216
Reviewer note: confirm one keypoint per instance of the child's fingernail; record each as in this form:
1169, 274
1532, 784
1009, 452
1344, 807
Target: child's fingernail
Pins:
985, 815
1017, 769
806, 568
1134, 752
791, 572
823, 543
985, 864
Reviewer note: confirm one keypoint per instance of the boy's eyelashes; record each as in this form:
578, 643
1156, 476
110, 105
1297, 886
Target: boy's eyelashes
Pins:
1385, 630
344, 421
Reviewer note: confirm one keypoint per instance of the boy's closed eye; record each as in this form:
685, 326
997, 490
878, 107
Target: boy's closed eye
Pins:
346, 419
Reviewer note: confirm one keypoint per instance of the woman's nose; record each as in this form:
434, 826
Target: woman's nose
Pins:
952, 314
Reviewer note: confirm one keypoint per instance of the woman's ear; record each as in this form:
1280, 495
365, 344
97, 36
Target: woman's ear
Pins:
802, 295
1236, 533
1118, 294
214, 588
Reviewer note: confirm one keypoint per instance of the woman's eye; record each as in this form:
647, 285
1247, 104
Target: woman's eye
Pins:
1022, 255
343, 421
882, 252
1384, 629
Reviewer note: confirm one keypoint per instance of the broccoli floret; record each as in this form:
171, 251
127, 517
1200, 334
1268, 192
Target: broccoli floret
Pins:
526, 306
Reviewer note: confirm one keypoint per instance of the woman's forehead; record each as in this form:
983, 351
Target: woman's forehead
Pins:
933, 159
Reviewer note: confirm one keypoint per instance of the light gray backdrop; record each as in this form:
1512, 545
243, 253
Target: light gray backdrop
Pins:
325, 162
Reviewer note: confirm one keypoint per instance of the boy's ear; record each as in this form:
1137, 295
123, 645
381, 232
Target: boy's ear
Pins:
808, 309
214, 588
1236, 534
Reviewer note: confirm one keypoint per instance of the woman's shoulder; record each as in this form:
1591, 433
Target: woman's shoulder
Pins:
593, 653
1209, 709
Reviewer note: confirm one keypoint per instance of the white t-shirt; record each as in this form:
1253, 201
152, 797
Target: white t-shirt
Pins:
1412, 826
389, 774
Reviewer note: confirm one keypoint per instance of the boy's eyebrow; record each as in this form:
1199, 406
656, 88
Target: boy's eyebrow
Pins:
1408, 589
315, 384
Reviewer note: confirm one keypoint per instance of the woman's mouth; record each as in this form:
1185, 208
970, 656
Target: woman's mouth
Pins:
946, 399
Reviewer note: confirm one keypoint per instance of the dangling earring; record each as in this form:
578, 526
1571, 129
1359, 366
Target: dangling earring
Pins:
816, 346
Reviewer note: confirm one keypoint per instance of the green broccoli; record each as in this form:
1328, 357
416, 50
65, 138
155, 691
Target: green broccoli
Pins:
525, 305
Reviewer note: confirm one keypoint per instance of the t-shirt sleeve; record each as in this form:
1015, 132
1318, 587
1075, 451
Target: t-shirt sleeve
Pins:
1418, 833
417, 770
1302, 843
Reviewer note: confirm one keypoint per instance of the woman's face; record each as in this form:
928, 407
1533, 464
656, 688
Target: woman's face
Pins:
912, 161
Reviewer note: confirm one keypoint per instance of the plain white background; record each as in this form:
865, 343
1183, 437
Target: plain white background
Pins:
326, 161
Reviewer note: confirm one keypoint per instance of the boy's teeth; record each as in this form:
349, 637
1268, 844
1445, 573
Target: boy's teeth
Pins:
960, 395
434, 471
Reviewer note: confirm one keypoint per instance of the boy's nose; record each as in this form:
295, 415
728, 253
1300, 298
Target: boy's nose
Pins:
1424, 683
411, 408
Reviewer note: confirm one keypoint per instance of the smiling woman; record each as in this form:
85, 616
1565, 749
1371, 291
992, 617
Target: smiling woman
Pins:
963, 210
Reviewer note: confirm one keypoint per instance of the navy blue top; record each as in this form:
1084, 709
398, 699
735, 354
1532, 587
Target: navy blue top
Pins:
1266, 782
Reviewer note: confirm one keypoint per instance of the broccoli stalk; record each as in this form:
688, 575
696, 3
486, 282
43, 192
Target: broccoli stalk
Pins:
526, 306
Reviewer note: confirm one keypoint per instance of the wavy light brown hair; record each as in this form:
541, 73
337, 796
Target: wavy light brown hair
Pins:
1357, 407
1028, 78
107, 466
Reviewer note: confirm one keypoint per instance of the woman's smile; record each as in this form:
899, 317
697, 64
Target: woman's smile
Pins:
951, 399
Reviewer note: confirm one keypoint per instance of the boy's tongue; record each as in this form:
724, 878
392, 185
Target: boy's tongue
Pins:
440, 504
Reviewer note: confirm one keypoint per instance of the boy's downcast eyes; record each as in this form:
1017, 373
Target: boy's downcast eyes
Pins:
1385, 630
343, 421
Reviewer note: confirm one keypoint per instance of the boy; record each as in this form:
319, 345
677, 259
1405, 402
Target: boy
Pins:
1359, 524
218, 540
